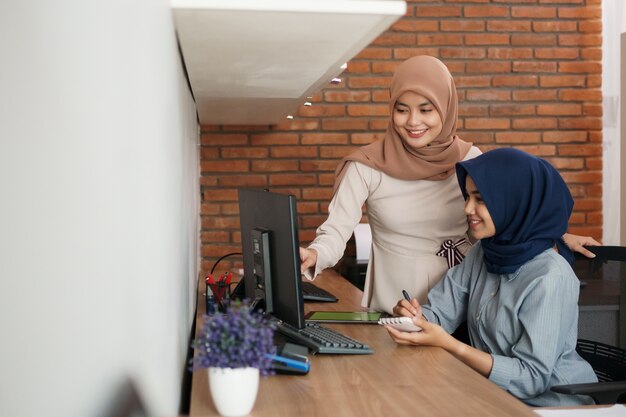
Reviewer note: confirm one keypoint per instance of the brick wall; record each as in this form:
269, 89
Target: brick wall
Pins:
528, 73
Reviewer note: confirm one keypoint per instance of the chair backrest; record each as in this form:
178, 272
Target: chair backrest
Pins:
608, 362
603, 296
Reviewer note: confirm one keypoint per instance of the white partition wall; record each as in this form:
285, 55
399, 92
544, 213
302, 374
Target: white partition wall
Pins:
613, 24
623, 140
98, 207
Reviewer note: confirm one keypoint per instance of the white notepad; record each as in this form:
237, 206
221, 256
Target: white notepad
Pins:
404, 324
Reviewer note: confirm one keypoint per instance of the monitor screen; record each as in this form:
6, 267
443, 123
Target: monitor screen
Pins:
271, 258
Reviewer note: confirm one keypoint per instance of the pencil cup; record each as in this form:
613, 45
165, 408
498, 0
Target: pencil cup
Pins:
220, 294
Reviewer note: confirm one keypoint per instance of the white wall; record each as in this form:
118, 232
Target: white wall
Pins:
613, 23
98, 206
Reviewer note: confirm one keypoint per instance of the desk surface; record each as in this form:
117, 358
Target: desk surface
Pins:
394, 381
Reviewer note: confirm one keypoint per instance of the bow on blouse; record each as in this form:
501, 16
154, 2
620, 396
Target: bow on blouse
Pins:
451, 252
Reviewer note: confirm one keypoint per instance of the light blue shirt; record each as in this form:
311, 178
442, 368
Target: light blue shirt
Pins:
527, 321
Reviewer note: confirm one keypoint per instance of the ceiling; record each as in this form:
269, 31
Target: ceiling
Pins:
257, 61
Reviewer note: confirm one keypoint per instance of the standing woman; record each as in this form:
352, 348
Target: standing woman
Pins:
408, 183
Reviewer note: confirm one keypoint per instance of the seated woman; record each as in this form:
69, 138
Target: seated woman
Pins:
517, 293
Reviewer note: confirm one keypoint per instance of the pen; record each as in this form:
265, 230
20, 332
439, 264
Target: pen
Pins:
303, 366
406, 296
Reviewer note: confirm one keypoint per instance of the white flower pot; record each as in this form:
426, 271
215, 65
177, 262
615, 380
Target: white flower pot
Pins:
233, 390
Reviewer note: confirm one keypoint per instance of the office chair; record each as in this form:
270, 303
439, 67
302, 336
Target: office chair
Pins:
608, 362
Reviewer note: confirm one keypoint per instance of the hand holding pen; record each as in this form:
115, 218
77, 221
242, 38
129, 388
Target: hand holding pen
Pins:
408, 307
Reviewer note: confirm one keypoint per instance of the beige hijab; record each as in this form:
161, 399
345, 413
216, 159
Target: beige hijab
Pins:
427, 76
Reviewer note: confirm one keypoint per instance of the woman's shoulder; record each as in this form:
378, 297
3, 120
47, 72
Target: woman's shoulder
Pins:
472, 153
550, 263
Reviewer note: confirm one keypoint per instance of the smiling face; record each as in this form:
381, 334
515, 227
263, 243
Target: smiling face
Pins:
481, 225
416, 120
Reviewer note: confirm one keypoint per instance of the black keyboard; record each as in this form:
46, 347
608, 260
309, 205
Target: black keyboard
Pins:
324, 340
311, 292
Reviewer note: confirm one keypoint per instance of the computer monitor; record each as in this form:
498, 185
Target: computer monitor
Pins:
271, 258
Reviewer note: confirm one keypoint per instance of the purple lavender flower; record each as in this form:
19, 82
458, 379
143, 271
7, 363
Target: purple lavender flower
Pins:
238, 339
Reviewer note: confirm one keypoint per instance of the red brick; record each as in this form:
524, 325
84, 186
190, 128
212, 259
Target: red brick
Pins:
557, 53
554, 26
293, 152
292, 179
447, 39
438, 11
462, 25
567, 163
275, 139
591, 54
562, 81
580, 67
580, 12
344, 124
517, 137
488, 95
347, 96
224, 166
528, 39
558, 109
534, 67
515, 81
509, 26
545, 123
468, 53
488, 67
512, 110
486, 11
581, 40
581, 95
223, 139
578, 123
534, 95
273, 165
369, 82
244, 152
357, 67
368, 110
509, 53
533, 12
242, 181
321, 110
219, 195
590, 26
324, 138
565, 136
580, 150
488, 39
421, 25
487, 123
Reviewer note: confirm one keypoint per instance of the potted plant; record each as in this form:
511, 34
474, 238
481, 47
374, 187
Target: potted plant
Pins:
235, 348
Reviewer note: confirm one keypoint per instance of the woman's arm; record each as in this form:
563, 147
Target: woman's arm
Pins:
344, 213
434, 335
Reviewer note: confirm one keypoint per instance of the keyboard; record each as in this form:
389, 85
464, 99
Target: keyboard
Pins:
311, 292
324, 340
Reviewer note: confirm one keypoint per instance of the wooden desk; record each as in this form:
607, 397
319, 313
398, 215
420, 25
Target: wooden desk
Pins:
394, 381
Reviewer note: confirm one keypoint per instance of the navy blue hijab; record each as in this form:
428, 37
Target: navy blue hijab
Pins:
529, 204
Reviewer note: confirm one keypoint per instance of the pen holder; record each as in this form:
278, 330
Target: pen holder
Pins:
217, 297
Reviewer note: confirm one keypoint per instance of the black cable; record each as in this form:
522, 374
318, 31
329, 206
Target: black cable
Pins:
225, 256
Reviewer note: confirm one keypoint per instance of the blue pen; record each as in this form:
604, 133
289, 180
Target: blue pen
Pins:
406, 296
